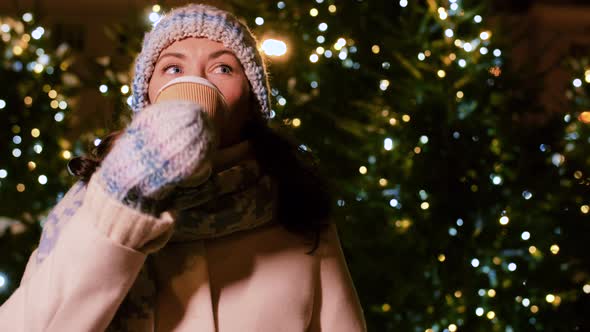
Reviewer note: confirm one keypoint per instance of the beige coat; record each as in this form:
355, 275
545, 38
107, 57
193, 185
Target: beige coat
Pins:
259, 280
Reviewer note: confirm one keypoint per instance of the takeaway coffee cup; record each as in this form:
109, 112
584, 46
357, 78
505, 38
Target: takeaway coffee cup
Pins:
198, 90
201, 91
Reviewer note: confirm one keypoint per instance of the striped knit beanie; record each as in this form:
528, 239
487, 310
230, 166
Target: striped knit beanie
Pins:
198, 20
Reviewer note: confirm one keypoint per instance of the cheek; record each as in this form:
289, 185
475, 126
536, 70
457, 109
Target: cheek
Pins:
236, 95
153, 86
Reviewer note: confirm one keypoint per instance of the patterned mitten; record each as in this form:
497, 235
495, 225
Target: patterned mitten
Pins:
162, 146
58, 217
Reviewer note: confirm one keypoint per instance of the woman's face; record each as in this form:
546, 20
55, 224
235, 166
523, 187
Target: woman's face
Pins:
218, 64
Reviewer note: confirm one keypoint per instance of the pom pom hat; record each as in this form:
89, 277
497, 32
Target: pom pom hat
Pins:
198, 20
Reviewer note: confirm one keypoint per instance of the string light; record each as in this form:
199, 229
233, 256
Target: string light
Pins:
363, 170
42, 179
504, 220
27, 17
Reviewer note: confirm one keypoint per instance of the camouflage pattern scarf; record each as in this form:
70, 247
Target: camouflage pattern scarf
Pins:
235, 199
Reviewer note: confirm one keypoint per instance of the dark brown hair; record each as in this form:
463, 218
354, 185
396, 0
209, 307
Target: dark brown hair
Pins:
304, 198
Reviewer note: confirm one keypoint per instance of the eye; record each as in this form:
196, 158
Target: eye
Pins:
176, 67
225, 69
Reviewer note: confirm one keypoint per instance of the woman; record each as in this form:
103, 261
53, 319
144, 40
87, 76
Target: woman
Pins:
187, 221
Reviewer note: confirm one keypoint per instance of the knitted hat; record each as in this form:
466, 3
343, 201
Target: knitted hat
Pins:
198, 20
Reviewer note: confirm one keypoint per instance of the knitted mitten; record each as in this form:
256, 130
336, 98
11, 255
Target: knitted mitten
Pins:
162, 146
58, 217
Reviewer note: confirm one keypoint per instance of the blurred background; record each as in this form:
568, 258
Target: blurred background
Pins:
455, 133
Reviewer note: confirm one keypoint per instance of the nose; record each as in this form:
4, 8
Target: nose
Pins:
196, 70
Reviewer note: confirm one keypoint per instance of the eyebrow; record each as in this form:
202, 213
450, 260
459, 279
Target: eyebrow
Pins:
181, 56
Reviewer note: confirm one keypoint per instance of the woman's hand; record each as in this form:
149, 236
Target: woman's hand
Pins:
163, 145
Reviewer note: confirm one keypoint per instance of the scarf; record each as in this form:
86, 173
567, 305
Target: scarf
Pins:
236, 197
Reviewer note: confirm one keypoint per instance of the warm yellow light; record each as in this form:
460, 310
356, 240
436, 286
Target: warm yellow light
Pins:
460, 94
392, 121
458, 294
404, 224
491, 293
54, 104
405, 118
332, 8
35, 132
363, 170
20, 187
52, 94
497, 260
156, 8
584, 209
417, 150
26, 38
441, 258
125, 89
452, 328
532, 249
385, 307
554, 249
274, 47
320, 50
441, 73
491, 315
424, 206
296, 122
375, 49
17, 50
586, 288
550, 298
38, 68
28, 101
313, 12
382, 182
66, 154
31, 165
534, 309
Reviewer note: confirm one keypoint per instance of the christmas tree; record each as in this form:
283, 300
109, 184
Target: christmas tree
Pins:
455, 213
34, 107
